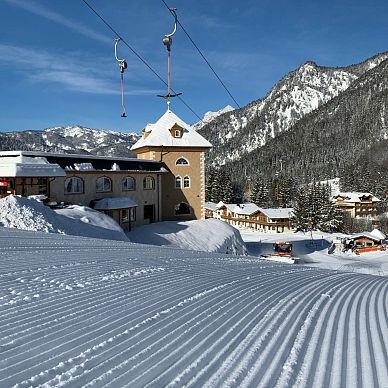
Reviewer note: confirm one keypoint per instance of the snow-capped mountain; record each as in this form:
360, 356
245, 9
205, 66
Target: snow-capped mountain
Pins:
210, 116
303, 90
71, 139
346, 138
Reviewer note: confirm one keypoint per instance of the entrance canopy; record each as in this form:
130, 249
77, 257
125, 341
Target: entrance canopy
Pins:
114, 203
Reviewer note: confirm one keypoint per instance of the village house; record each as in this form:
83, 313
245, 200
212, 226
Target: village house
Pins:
165, 182
358, 205
249, 215
366, 241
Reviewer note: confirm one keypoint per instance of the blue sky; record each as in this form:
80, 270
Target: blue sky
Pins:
57, 65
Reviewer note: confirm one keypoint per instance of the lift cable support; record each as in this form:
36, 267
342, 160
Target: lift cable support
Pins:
111, 28
122, 66
203, 56
167, 41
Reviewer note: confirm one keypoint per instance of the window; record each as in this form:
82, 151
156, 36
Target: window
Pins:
103, 184
42, 183
128, 184
74, 185
124, 216
177, 133
148, 183
186, 182
178, 182
181, 161
132, 213
182, 208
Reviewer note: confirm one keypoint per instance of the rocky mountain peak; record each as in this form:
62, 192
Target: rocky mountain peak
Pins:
297, 94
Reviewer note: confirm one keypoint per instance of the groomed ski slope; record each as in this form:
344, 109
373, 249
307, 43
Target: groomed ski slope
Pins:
87, 312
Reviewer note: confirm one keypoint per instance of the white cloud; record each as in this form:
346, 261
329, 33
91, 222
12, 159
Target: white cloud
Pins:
77, 26
70, 71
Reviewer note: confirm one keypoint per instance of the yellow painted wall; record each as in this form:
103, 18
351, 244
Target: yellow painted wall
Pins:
172, 197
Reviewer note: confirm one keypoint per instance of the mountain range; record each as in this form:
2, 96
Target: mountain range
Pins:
239, 132
71, 139
316, 123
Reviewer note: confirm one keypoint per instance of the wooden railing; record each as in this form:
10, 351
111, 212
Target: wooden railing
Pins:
258, 222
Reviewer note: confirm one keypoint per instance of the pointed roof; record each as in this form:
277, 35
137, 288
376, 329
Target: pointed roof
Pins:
158, 134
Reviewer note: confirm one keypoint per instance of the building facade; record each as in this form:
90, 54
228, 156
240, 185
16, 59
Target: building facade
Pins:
174, 143
165, 182
357, 205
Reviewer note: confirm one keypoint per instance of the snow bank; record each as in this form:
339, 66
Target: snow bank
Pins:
209, 235
31, 214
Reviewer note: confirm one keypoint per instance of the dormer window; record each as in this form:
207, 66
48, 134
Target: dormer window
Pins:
176, 131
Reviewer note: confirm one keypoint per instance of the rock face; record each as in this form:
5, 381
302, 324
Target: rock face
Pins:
73, 139
238, 132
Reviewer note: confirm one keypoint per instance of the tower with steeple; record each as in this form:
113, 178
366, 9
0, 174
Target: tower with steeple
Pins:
182, 150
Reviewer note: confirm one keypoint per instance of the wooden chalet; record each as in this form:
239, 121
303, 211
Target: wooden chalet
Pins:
250, 216
366, 242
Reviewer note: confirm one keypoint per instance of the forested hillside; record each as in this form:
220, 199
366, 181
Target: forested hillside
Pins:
345, 137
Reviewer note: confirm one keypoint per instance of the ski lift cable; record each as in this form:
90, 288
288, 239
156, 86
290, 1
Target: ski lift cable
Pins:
122, 66
203, 56
137, 55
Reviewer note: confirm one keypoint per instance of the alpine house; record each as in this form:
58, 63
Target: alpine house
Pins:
171, 141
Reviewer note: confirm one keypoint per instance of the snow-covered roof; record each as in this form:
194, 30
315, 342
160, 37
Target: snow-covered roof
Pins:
114, 203
366, 234
246, 209
21, 165
380, 235
211, 206
278, 212
355, 196
82, 162
159, 134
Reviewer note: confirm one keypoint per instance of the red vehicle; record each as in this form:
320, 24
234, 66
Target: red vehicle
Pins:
282, 248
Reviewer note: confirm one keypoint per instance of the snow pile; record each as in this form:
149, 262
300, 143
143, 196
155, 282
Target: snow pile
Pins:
81, 167
209, 235
31, 214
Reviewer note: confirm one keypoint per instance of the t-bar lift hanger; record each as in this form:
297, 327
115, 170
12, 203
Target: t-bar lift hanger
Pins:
122, 66
167, 41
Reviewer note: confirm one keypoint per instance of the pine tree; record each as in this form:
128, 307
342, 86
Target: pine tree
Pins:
225, 187
210, 180
301, 218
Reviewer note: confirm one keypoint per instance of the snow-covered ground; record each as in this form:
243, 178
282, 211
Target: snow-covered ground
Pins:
87, 312
78, 311
314, 253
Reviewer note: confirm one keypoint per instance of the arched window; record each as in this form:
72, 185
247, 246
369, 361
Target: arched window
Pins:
74, 185
186, 182
128, 183
182, 208
148, 183
103, 184
178, 182
181, 162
